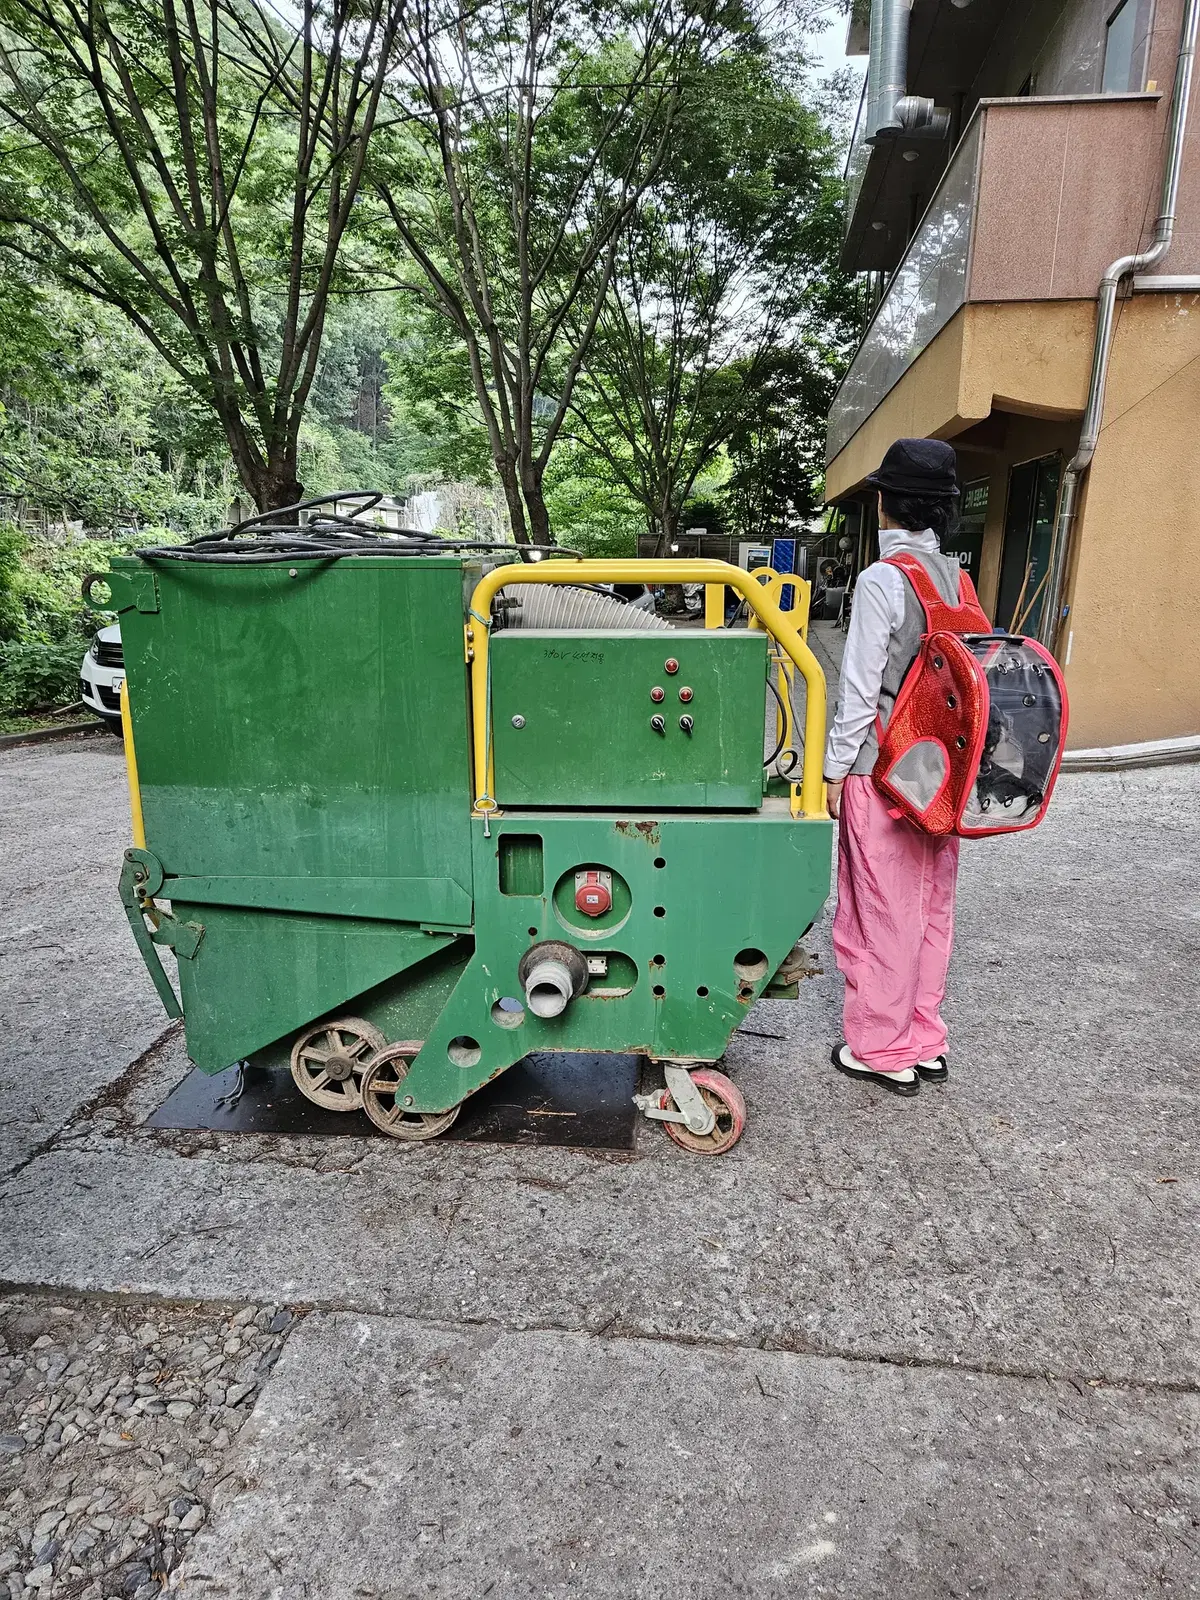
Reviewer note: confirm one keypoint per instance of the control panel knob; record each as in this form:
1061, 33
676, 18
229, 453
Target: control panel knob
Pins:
686, 724
659, 724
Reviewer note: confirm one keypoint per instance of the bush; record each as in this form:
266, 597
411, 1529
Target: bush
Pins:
36, 676
12, 548
40, 599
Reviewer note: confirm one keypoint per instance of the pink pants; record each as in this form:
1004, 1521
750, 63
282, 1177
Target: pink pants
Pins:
892, 931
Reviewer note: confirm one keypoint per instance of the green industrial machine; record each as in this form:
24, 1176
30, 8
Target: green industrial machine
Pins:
418, 814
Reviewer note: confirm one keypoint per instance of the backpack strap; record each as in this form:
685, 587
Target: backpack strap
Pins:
967, 616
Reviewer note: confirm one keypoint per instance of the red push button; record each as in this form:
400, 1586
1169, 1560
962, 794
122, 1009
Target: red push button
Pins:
670, 664
658, 695
593, 893
685, 694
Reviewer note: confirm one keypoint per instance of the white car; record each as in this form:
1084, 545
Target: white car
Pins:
102, 674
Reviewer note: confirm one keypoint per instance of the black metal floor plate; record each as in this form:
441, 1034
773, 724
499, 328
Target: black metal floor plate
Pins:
555, 1098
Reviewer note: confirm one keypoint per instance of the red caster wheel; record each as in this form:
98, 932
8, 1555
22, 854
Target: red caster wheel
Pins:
724, 1100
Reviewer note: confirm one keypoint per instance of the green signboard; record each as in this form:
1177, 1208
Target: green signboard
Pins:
966, 547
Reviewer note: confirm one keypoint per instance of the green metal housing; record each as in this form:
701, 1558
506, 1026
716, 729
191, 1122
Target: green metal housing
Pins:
302, 746
573, 716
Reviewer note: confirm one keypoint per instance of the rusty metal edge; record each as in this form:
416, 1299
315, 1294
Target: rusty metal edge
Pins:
75, 730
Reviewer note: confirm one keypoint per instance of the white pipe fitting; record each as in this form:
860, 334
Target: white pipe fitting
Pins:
549, 987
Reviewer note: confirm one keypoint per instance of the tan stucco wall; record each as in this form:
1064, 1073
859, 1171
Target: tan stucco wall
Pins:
1134, 586
1028, 356
1134, 671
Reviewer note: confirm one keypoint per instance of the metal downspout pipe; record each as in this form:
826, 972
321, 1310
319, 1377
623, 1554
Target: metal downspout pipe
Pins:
1093, 416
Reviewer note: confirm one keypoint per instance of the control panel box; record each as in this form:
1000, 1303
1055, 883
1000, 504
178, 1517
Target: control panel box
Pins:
624, 718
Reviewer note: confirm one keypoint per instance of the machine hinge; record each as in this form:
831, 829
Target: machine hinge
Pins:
141, 878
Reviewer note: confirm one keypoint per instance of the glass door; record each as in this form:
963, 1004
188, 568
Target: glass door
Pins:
1028, 530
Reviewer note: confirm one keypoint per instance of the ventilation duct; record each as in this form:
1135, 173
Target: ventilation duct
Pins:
891, 110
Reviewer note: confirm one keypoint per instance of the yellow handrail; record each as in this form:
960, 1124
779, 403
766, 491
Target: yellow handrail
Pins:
131, 771
774, 583
776, 623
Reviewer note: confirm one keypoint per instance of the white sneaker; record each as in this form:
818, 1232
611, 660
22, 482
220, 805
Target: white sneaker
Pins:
906, 1082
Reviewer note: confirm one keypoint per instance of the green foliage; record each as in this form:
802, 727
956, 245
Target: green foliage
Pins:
12, 547
150, 362
720, 279
93, 426
40, 584
196, 167
34, 676
588, 510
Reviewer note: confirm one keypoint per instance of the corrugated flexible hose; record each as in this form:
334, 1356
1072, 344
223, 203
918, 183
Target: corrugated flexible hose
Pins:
569, 606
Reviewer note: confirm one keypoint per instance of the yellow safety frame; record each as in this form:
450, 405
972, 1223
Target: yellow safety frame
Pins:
787, 634
138, 827
773, 583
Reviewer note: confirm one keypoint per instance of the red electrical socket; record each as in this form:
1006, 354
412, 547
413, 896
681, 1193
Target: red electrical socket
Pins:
593, 892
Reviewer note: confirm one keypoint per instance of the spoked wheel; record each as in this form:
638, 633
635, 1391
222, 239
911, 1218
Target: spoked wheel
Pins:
383, 1097
724, 1100
329, 1060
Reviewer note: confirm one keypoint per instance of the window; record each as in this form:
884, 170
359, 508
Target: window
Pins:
1119, 51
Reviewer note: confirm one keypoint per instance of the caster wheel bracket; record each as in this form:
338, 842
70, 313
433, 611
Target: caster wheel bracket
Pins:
693, 1110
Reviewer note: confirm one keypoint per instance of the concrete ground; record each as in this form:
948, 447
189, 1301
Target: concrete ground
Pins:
941, 1347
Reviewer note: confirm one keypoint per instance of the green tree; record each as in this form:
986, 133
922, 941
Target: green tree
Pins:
195, 165
719, 271
94, 426
532, 129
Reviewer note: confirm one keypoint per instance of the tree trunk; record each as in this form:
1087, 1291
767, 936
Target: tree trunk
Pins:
667, 522
535, 501
277, 485
512, 498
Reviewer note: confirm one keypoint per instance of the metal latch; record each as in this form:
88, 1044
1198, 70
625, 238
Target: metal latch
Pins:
141, 879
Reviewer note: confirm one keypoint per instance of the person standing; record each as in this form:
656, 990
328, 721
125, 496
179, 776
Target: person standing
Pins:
894, 924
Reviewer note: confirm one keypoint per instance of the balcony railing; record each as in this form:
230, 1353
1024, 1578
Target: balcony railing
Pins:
929, 286
1039, 197
858, 156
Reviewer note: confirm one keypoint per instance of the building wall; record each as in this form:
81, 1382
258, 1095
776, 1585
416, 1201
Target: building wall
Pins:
1135, 590
1060, 46
1031, 358
1007, 383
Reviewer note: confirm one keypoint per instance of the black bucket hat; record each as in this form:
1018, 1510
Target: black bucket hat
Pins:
926, 468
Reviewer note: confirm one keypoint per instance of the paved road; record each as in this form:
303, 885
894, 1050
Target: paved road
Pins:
890, 1349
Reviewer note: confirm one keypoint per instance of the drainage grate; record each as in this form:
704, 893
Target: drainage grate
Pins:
553, 1098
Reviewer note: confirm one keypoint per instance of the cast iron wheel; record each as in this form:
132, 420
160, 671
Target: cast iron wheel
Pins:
724, 1099
380, 1090
329, 1060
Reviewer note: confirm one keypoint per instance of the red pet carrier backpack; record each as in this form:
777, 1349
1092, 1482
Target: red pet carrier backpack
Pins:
976, 737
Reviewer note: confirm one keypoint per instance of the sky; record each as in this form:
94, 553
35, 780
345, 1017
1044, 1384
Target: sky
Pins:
830, 46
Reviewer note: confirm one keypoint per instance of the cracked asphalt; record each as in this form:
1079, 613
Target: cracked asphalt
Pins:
944, 1347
